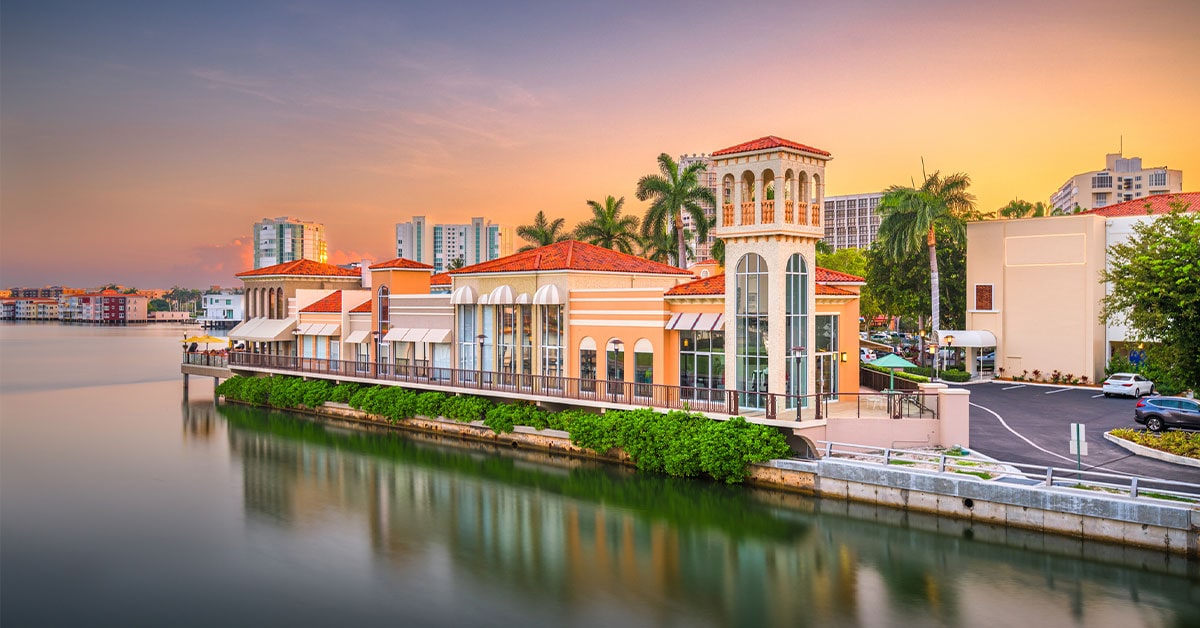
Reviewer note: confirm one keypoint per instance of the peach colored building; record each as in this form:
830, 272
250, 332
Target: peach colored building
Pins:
1034, 283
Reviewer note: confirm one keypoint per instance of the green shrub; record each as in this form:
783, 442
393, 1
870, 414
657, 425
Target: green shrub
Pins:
429, 404
465, 408
1178, 443
343, 392
955, 375
317, 392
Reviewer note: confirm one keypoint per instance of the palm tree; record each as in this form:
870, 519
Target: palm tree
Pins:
541, 232
910, 216
1018, 208
608, 228
674, 192
659, 246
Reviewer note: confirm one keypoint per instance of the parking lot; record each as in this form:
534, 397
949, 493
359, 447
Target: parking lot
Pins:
1031, 424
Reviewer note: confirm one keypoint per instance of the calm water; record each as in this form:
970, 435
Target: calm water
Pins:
121, 503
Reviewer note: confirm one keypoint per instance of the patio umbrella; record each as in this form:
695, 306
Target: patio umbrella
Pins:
206, 339
891, 362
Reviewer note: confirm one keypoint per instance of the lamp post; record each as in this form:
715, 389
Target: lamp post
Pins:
798, 355
949, 347
617, 345
481, 338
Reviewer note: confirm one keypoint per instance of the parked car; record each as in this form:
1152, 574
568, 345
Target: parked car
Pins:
880, 336
986, 361
1127, 384
866, 355
1159, 413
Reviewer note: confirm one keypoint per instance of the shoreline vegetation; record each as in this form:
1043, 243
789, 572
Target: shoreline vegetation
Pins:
677, 443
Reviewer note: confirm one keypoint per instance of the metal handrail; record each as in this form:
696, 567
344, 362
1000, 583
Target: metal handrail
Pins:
1121, 484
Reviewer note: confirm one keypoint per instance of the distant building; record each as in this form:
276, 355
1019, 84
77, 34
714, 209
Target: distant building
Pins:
284, 239
440, 244
708, 179
222, 310
1123, 179
851, 220
36, 309
108, 307
47, 292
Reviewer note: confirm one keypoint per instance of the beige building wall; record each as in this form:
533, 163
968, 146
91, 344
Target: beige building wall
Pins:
1044, 278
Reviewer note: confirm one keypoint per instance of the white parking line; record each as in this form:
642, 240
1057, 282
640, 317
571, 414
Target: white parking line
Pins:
1014, 387
1057, 391
1100, 395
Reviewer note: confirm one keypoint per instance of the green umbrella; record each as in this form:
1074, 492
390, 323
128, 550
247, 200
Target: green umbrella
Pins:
892, 362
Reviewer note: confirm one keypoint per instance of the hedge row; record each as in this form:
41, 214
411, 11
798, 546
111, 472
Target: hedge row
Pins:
1178, 443
676, 443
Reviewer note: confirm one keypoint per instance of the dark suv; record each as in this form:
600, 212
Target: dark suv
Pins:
1159, 413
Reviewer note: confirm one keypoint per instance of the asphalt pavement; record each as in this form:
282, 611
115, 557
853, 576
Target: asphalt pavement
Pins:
1031, 424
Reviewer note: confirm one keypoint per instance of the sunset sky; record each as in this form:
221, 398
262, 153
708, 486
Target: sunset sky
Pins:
140, 141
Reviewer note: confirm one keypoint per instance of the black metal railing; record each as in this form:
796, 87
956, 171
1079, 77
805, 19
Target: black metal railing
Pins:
895, 404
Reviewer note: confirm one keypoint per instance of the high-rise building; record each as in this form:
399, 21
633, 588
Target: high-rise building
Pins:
284, 239
1123, 179
708, 179
440, 244
851, 220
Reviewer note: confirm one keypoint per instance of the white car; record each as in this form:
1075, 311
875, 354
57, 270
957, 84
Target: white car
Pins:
866, 355
1127, 384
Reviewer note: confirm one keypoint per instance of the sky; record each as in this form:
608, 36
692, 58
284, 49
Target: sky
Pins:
140, 141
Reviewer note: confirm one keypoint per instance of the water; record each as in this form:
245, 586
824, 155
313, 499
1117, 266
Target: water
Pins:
123, 504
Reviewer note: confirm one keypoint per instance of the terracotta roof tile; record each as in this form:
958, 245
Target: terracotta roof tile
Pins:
824, 275
402, 263
1159, 204
827, 290
331, 303
714, 285
440, 279
365, 306
302, 267
571, 255
764, 143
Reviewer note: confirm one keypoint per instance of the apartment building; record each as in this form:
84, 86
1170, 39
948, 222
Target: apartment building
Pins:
851, 221
222, 310
284, 239
708, 178
1122, 179
439, 245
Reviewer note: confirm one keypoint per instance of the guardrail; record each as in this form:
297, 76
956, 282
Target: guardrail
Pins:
1031, 475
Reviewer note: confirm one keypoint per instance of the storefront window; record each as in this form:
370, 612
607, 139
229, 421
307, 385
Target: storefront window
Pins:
752, 298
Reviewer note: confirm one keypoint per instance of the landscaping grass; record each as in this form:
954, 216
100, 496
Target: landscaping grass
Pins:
1185, 444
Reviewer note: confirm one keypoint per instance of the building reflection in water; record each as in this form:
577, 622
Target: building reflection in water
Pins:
579, 533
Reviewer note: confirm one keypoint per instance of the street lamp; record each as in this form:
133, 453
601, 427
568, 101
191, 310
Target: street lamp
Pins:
617, 345
798, 355
949, 347
481, 338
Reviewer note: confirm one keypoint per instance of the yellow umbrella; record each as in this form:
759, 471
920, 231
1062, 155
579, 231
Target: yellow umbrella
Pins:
205, 339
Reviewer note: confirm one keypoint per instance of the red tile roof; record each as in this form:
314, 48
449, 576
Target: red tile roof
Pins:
302, 267
440, 279
402, 263
1159, 204
715, 285
824, 275
365, 306
764, 143
701, 287
331, 303
571, 255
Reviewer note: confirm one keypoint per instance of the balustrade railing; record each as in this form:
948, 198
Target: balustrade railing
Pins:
816, 215
895, 404
727, 215
768, 212
789, 212
748, 213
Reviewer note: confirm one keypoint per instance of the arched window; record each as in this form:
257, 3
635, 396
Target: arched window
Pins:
751, 314
587, 364
383, 318
643, 367
796, 316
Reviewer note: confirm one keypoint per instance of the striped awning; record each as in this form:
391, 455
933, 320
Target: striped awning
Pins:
692, 321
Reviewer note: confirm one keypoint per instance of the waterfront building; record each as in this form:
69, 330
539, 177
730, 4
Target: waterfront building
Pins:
107, 307
1034, 284
271, 301
8, 309
439, 245
284, 239
222, 310
708, 178
47, 292
169, 316
1122, 179
36, 309
851, 221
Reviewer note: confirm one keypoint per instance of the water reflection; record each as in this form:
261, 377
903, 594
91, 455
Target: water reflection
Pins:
557, 531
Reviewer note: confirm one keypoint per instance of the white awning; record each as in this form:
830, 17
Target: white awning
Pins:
710, 322
415, 335
523, 298
501, 295
682, 321
437, 336
965, 338
358, 337
547, 295
691, 321
395, 334
464, 295
325, 330
265, 329
243, 326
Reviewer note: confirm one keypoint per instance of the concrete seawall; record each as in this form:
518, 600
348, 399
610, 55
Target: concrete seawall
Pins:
993, 508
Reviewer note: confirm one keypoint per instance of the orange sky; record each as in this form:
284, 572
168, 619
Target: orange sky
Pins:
139, 145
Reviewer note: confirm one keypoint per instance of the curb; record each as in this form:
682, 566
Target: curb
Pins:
1010, 382
1147, 452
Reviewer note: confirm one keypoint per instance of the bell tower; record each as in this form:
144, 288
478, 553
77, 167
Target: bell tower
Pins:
771, 197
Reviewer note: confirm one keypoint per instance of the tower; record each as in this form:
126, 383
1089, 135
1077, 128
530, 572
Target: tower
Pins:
771, 193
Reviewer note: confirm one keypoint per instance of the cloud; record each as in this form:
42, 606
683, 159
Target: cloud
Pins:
219, 79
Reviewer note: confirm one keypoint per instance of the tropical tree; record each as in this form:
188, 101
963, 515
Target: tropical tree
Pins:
542, 232
717, 251
671, 193
455, 263
852, 261
1154, 287
659, 246
911, 217
1018, 208
608, 228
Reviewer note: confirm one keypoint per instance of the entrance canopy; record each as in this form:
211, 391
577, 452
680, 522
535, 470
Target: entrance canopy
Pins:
965, 338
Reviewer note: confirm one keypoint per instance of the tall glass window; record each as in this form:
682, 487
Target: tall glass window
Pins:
489, 338
507, 343
796, 281
751, 313
702, 364
587, 365
467, 330
382, 318
525, 323
552, 340
827, 355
